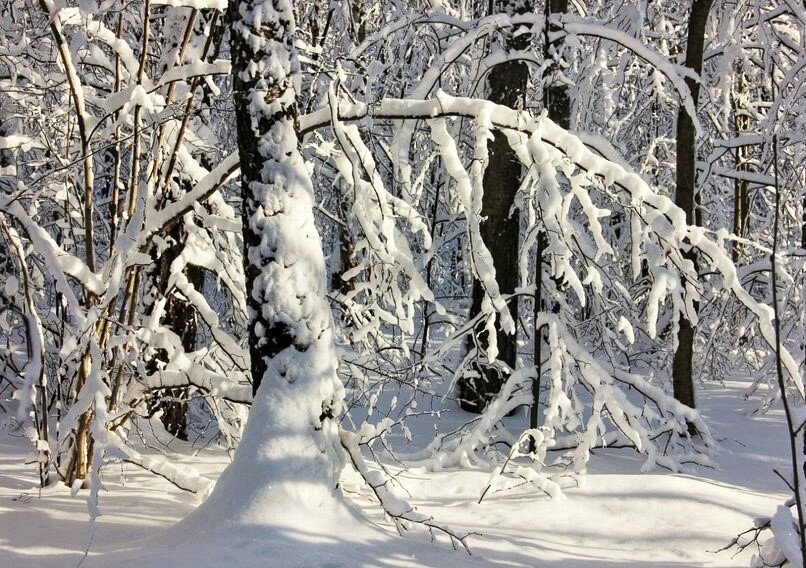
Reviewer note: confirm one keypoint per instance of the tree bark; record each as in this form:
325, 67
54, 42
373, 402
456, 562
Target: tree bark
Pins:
685, 194
347, 261
180, 316
500, 231
290, 454
558, 105
741, 198
261, 168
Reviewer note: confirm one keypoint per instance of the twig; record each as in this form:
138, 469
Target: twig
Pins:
397, 509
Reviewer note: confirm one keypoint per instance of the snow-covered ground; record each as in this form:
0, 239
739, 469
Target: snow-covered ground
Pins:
617, 517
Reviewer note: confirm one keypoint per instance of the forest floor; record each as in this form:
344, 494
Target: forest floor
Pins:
616, 517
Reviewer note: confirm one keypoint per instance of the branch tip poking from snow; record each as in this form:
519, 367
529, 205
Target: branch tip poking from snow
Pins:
537, 443
402, 513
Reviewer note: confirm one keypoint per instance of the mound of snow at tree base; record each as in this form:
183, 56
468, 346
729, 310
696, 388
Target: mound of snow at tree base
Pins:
275, 504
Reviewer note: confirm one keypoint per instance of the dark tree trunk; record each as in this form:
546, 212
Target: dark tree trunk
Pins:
558, 105
555, 97
272, 188
291, 439
347, 261
500, 231
180, 316
741, 197
685, 192
803, 226
429, 267
267, 336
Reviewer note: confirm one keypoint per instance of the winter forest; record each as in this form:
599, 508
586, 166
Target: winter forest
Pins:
402, 283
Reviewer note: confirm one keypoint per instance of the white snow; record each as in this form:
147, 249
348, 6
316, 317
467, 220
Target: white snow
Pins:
616, 518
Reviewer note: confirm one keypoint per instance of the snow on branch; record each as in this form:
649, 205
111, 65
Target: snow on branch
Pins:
158, 220
658, 425
675, 73
185, 478
59, 262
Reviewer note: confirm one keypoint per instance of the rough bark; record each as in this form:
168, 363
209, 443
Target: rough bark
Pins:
267, 336
180, 317
685, 194
287, 465
558, 105
291, 439
500, 230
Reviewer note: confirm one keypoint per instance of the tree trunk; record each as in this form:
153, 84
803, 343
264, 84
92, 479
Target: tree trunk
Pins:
741, 201
429, 267
290, 454
347, 261
81, 452
558, 105
500, 231
180, 316
685, 192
